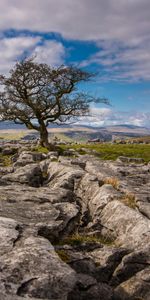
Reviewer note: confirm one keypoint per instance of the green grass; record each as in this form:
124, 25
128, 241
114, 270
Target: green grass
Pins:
129, 200
110, 151
12, 135
62, 137
63, 255
40, 149
6, 160
77, 239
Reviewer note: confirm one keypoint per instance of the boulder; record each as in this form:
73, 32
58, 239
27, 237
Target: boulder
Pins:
137, 287
33, 269
47, 212
105, 194
125, 159
26, 158
130, 227
29, 174
63, 176
8, 234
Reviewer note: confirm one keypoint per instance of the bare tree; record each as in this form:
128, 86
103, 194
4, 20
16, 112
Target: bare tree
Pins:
36, 95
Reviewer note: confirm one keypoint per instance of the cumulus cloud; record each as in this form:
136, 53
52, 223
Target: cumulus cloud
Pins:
51, 52
123, 62
12, 49
80, 19
108, 117
120, 29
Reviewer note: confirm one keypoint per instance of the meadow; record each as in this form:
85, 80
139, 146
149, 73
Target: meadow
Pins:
108, 151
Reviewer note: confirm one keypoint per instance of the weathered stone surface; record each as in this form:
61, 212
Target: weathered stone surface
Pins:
137, 287
63, 176
29, 174
11, 297
34, 269
67, 230
88, 187
107, 259
8, 234
130, 265
26, 158
44, 210
87, 288
8, 149
105, 195
6, 170
132, 229
125, 159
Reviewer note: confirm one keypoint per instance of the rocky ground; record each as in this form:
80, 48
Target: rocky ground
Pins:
73, 228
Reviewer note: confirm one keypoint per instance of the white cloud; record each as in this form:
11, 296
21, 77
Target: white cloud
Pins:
120, 28
80, 19
106, 116
123, 62
11, 49
51, 53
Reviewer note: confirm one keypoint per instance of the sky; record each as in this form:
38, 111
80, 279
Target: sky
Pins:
108, 37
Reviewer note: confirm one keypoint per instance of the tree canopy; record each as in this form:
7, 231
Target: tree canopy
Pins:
36, 95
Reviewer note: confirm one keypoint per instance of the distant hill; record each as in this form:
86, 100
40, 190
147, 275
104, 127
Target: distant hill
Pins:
84, 133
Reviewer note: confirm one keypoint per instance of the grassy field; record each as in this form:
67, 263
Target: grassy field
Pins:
13, 134
105, 151
112, 151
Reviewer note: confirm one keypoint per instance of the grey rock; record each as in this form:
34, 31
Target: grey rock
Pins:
44, 203
130, 265
87, 288
46, 211
107, 260
105, 195
29, 174
132, 229
125, 159
63, 176
9, 150
35, 270
8, 234
12, 297
26, 157
137, 287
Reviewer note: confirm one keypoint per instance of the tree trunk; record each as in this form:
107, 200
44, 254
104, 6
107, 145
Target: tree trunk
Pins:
44, 136
44, 139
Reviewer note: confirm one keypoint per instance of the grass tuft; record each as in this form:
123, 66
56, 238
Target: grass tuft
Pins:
77, 239
40, 149
63, 255
6, 160
113, 181
129, 200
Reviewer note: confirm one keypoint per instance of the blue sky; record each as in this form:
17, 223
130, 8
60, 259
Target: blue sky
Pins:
109, 37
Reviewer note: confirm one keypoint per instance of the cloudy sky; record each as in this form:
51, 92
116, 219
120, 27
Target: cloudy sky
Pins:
109, 37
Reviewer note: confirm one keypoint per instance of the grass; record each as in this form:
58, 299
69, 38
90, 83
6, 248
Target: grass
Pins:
40, 149
110, 151
63, 255
113, 181
77, 239
129, 200
62, 137
6, 160
12, 135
